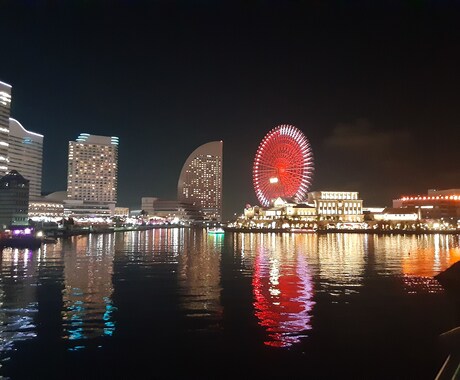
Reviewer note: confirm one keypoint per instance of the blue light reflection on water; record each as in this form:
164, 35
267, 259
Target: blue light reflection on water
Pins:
196, 286
18, 304
88, 289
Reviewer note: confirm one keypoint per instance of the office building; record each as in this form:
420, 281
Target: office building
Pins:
92, 175
25, 153
200, 181
14, 200
5, 104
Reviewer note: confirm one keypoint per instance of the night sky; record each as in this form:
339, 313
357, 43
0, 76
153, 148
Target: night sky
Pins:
375, 87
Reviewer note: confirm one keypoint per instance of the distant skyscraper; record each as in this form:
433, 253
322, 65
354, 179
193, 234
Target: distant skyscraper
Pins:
200, 180
5, 103
93, 169
25, 154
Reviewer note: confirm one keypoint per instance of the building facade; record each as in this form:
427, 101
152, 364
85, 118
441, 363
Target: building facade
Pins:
45, 210
92, 175
172, 210
436, 204
390, 214
282, 214
25, 153
14, 200
5, 105
200, 181
324, 210
337, 206
48, 207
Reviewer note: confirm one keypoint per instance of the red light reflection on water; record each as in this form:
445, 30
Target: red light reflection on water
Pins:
283, 294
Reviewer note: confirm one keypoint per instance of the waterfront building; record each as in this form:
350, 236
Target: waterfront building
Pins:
25, 153
435, 205
48, 208
284, 213
5, 105
122, 212
337, 206
85, 211
391, 214
14, 200
147, 204
43, 209
92, 176
323, 210
200, 181
171, 210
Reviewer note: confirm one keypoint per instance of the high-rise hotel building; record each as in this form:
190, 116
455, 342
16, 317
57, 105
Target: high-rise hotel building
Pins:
5, 104
25, 154
200, 181
93, 169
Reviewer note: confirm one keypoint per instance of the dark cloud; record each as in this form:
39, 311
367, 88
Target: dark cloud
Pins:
382, 149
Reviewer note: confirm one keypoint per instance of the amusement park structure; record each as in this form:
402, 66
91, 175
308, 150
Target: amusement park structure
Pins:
283, 165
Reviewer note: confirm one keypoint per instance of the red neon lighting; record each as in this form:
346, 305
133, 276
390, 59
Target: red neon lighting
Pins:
285, 154
283, 303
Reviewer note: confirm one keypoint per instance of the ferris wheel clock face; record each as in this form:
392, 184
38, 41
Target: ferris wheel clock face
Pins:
283, 165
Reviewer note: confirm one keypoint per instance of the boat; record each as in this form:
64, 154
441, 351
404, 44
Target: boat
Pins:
31, 242
23, 237
216, 230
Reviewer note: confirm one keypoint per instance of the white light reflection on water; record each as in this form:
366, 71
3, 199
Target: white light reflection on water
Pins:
283, 291
282, 269
340, 264
18, 305
87, 310
199, 277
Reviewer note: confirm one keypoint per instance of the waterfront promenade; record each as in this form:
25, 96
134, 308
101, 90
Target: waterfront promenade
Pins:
85, 230
344, 231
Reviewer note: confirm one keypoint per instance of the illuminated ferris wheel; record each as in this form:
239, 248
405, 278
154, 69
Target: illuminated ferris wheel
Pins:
283, 165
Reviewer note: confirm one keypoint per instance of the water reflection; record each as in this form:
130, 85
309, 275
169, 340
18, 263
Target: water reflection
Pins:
422, 257
199, 276
88, 289
65, 291
341, 260
283, 290
18, 299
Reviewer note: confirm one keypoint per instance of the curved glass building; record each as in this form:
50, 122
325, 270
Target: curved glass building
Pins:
25, 153
5, 103
200, 181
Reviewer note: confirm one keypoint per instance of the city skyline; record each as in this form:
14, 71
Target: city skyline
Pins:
373, 88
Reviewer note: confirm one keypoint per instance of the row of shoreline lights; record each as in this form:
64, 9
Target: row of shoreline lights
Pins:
445, 197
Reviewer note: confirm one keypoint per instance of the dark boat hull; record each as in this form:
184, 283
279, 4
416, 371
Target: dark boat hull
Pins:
22, 242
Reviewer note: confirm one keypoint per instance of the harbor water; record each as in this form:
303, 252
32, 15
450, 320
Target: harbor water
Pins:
182, 303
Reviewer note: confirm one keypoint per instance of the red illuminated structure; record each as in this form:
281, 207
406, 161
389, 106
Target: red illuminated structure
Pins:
283, 165
283, 298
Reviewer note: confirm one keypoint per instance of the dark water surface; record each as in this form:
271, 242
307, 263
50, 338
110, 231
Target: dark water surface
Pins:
181, 303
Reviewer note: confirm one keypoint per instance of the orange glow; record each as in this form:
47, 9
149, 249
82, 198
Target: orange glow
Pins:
424, 261
419, 198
